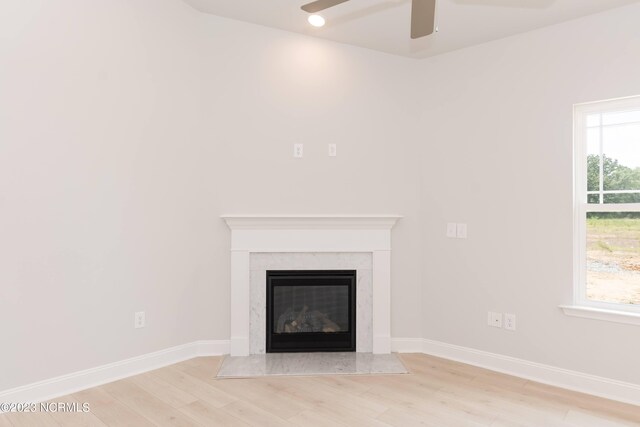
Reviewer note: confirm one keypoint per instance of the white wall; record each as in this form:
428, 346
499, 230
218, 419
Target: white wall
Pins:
127, 128
496, 130
101, 212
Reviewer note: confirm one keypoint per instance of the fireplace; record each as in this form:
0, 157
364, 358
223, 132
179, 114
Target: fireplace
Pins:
260, 243
311, 310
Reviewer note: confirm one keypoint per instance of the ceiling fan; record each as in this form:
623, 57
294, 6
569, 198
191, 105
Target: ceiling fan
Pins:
423, 13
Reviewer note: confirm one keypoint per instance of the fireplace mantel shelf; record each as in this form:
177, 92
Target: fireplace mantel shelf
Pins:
310, 222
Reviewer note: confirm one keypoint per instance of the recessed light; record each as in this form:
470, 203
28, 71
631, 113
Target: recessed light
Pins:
316, 20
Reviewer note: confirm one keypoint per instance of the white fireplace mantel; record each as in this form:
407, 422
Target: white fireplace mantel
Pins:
310, 233
322, 222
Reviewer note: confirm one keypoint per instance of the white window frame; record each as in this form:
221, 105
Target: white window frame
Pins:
583, 307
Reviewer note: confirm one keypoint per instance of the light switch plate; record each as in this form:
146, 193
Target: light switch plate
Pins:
298, 151
495, 319
452, 230
333, 150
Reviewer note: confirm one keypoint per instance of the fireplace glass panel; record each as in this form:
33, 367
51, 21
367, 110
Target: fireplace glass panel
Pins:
300, 309
311, 310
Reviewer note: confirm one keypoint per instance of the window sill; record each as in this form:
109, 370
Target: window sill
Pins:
601, 314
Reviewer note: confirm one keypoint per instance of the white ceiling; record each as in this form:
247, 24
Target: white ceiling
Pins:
384, 24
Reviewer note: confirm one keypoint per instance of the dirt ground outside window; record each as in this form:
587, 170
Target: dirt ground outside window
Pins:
613, 260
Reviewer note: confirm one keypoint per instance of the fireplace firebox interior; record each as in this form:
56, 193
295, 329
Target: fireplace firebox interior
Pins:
311, 311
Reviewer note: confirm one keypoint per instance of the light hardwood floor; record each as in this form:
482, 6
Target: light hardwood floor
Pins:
437, 393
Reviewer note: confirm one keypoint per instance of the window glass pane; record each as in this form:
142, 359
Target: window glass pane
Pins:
619, 117
593, 161
613, 257
593, 120
593, 141
621, 146
593, 198
593, 172
622, 198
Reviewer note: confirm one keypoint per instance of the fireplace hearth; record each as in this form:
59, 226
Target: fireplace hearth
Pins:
311, 310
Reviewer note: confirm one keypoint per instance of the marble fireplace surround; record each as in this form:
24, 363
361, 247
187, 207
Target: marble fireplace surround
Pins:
358, 242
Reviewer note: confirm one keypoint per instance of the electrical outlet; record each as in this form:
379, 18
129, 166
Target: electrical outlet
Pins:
333, 150
510, 321
298, 151
495, 319
139, 320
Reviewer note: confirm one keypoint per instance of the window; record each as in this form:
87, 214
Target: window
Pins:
607, 205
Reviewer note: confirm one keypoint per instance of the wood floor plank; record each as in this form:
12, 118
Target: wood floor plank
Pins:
583, 401
208, 415
281, 405
76, 419
456, 408
353, 401
403, 394
348, 415
587, 419
241, 388
508, 408
320, 394
404, 418
31, 419
109, 410
264, 395
435, 410
146, 404
253, 415
195, 386
341, 382
4, 421
163, 390
314, 419
502, 422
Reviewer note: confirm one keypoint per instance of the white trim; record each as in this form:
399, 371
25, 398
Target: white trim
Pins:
581, 207
613, 104
579, 202
407, 345
611, 207
310, 240
212, 348
81, 380
559, 377
630, 318
310, 222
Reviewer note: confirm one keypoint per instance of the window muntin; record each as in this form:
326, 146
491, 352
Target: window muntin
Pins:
607, 205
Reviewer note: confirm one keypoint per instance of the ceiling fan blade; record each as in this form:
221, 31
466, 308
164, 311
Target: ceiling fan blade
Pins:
423, 18
319, 5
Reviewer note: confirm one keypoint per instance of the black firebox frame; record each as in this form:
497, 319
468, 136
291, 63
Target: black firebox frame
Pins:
311, 341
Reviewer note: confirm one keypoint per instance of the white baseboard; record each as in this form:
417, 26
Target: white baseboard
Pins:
407, 345
212, 348
71, 383
559, 377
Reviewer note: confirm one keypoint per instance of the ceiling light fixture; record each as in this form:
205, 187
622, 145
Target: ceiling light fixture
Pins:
423, 14
316, 20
